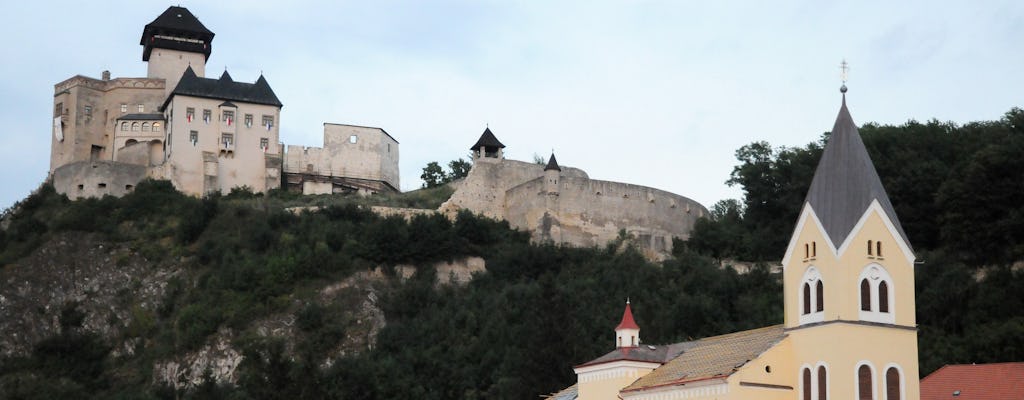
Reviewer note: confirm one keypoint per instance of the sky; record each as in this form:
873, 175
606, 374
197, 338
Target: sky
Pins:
655, 93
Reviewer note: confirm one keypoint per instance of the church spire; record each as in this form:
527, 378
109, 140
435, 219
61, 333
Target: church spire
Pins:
845, 182
627, 334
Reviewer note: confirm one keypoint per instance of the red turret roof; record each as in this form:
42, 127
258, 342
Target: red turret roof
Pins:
627, 320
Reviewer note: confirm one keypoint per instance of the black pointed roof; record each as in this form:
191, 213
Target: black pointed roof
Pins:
225, 89
846, 182
552, 164
487, 140
176, 29
226, 76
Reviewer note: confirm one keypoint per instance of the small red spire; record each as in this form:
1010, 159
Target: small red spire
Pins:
627, 319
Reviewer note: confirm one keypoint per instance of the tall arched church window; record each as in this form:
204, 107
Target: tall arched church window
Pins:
892, 384
822, 383
807, 298
807, 384
820, 289
883, 297
864, 391
865, 295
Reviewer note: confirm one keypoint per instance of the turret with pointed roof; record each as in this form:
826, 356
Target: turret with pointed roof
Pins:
487, 146
627, 334
552, 164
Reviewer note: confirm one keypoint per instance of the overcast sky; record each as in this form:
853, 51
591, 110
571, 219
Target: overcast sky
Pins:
653, 93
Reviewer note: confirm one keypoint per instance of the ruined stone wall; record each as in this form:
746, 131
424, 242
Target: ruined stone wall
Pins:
483, 189
97, 178
587, 212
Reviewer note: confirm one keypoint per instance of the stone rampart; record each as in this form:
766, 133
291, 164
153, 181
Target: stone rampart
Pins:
483, 189
97, 178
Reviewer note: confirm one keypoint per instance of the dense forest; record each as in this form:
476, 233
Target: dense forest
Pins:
516, 330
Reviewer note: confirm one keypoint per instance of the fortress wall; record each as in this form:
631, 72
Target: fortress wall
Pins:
483, 189
300, 159
136, 153
97, 178
591, 212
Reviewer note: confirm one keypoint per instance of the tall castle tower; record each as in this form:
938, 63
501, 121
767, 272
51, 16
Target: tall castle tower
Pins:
849, 281
173, 42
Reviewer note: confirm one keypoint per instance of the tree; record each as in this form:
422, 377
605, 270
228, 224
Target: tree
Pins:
459, 169
433, 175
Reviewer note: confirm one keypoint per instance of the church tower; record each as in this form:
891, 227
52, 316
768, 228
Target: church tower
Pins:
849, 281
173, 42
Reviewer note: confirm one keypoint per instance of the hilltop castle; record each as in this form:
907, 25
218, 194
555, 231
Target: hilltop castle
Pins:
849, 331
563, 205
204, 135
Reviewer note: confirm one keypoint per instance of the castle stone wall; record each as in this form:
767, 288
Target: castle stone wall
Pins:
97, 178
483, 189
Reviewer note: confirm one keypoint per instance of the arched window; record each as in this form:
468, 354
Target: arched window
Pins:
807, 298
893, 389
878, 248
869, 247
135, 126
883, 297
807, 384
864, 391
156, 127
821, 296
865, 295
145, 126
822, 383
124, 126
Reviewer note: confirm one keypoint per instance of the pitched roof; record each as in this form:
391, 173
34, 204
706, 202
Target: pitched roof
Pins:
552, 164
644, 353
975, 381
487, 140
225, 89
142, 117
716, 356
176, 29
846, 182
627, 314
569, 393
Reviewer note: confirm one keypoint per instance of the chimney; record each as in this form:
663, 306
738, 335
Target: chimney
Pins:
106, 75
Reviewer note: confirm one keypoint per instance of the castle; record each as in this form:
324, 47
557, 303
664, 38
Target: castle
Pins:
563, 205
849, 330
203, 134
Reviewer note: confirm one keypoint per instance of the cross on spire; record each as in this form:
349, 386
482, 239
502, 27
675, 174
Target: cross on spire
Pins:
844, 69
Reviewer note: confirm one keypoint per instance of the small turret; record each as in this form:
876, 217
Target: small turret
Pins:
627, 334
552, 174
488, 148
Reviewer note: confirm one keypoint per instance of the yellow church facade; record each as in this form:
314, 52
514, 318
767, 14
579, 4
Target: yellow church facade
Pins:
849, 330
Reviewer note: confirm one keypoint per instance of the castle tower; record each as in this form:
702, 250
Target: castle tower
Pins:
849, 281
627, 334
174, 41
552, 173
488, 148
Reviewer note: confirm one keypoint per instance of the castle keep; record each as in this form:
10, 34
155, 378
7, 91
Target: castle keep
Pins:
203, 134
563, 205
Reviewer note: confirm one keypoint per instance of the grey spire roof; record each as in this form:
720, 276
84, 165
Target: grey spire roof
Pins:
552, 164
225, 89
846, 182
488, 141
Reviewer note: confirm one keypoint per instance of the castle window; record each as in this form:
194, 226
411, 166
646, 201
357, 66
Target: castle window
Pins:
864, 385
353, 139
190, 114
58, 109
124, 127
124, 108
102, 186
145, 126
227, 116
883, 297
248, 120
207, 115
807, 384
807, 298
88, 111
865, 295
227, 140
820, 297
135, 126
128, 188
193, 136
869, 247
268, 121
141, 108
264, 144
156, 127
822, 383
81, 187
893, 386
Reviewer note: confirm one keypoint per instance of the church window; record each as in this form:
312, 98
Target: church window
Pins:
135, 126
865, 295
864, 385
878, 248
822, 383
248, 120
820, 296
807, 298
814, 249
883, 297
870, 245
807, 384
807, 251
145, 126
124, 108
141, 108
892, 384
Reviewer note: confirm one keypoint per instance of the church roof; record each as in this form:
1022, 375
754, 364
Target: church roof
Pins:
569, 393
225, 89
176, 29
552, 164
627, 314
487, 140
716, 356
972, 382
846, 182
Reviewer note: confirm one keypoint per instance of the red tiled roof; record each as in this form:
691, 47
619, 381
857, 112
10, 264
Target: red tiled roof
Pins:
627, 320
975, 381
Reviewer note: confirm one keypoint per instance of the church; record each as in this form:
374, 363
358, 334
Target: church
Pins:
849, 329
